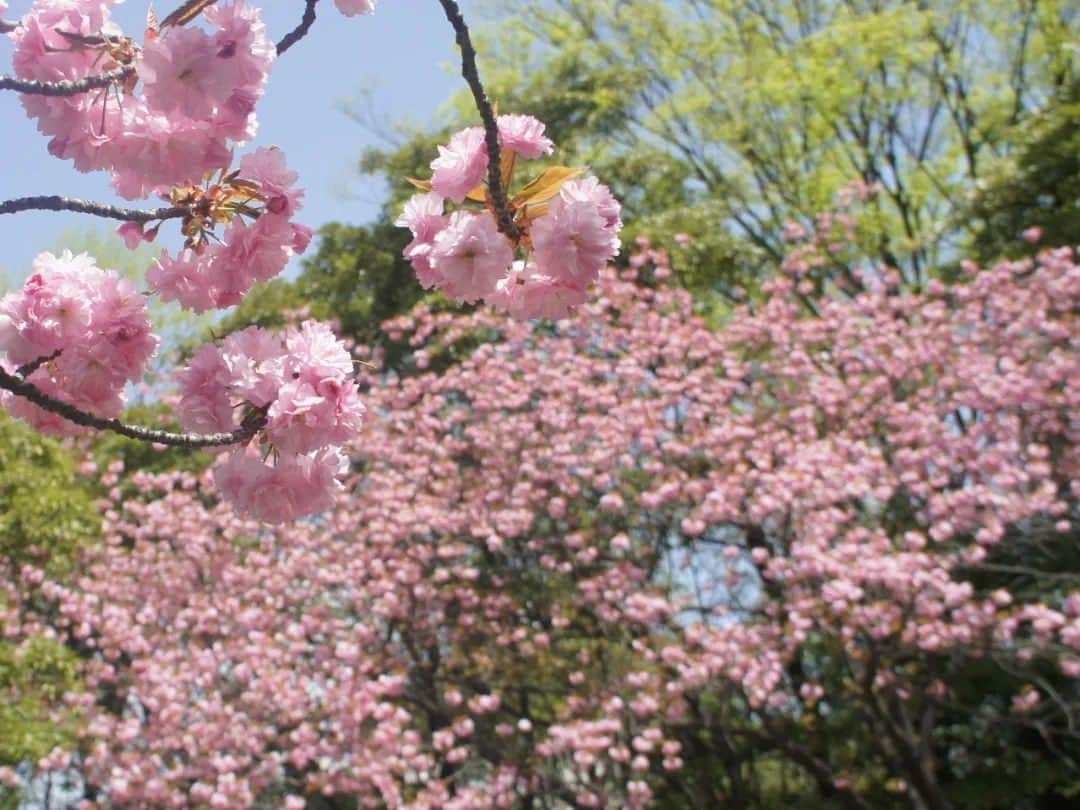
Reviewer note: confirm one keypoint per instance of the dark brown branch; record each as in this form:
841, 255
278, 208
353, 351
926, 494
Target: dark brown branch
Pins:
471, 75
56, 203
7, 26
68, 88
301, 30
32, 393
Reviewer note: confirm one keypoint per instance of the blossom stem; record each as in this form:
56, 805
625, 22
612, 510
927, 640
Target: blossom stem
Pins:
31, 392
57, 203
471, 75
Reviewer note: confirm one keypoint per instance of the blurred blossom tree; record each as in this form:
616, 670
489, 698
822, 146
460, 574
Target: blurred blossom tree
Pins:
824, 557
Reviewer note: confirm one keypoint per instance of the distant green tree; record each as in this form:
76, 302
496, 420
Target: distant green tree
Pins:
1037, 185
724, 118
46, 508
47, 515
34, 677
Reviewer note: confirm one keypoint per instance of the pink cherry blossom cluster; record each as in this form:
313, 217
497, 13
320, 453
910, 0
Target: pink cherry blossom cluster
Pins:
88, 330
216, 274
191, 97
167, 124
569, 227
302, 385
193, 92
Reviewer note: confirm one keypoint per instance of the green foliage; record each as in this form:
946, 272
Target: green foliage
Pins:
754, 114
1037, 185
34, 677
46, 511
46, 516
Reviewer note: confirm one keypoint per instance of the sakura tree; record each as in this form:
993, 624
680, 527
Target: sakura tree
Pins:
171, 117
819, 556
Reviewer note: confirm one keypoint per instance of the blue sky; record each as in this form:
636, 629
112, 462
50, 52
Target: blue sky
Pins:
403, 56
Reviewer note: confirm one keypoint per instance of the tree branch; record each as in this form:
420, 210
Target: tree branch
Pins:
27, 369
67, 88
471, 75
57, 203
301, 30
31, 392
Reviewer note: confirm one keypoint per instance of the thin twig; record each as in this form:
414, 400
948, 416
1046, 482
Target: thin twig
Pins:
27, 369
72, 87
7, 26
300, 31
31, 392
56, 203
491, 127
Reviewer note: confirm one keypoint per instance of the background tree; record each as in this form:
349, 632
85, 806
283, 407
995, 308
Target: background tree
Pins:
47, 519
630, 561
1036, 186
726, 121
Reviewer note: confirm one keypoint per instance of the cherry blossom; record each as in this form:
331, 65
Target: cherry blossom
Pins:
569, 227
469, 255
215, 274
461, 164
302, 385
525, 135
85, 328
196, 98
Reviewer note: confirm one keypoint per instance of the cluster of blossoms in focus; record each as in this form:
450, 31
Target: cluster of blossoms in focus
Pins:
214, 274
191, 97
87, 330
569, 226
170, 130
302, 386
168, 126
189, 100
